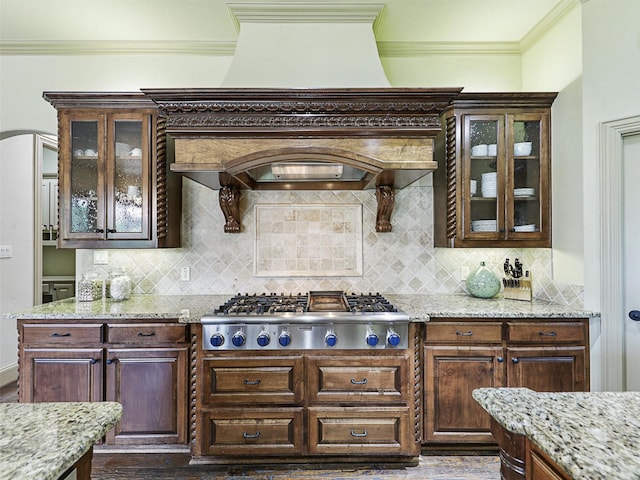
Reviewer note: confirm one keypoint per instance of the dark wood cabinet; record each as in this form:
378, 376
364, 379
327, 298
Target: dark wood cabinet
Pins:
115, 189
494, 185
462, 355
142, 365
346, 404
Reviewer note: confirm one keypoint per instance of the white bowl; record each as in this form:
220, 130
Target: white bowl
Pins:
522, 149
479, 150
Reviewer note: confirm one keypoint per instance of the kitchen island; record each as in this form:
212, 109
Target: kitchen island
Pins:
581, 435
47, 441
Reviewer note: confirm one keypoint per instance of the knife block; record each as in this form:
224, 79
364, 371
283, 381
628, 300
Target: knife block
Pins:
523, 292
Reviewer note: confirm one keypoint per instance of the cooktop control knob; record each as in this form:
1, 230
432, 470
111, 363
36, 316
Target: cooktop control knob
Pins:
393, 339
331, 339
238, 338
372, 338
263, 339
217, 339
285, 338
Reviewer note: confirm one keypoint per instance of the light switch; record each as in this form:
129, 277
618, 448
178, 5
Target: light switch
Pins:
5, 251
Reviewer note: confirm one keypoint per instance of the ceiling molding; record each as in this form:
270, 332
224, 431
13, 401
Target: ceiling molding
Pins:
117, 47
551, 19
419, 49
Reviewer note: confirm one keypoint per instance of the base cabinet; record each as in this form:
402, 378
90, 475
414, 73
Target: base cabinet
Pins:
462, 355
304, 404
142, 365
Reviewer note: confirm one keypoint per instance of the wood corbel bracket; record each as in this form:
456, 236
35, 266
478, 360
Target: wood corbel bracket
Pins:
385, 196
229, 198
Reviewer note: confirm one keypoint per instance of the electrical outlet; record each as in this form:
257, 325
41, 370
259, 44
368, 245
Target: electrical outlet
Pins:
100, 257
185, 274
5, 251
464, 273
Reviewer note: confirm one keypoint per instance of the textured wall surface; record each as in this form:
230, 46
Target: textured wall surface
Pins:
403, 261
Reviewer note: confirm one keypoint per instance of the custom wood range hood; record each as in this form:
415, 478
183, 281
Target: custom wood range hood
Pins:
304, 139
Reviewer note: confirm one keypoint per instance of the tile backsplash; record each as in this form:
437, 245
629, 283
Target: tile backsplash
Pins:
403, 261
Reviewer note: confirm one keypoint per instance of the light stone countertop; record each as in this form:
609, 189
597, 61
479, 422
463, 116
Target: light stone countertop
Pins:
43, 440
590, 435
190, 308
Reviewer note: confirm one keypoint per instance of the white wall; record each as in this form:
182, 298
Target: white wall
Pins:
554, 63
611, 90
16, 229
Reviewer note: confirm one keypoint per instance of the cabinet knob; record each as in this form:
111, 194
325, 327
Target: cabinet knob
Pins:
110, 361
93, 361
500, 359
99, 230
111, 230
634, 315
515, 360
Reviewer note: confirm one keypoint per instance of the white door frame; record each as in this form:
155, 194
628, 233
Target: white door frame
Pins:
611, 157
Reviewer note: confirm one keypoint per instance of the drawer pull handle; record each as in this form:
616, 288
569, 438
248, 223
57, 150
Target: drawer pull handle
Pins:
250, 436
359, 382
61, 334
464, 334
547, 334
363, 434
140, 334
252, 382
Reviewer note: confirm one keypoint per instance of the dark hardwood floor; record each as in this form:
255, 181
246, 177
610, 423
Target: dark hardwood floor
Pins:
175, 466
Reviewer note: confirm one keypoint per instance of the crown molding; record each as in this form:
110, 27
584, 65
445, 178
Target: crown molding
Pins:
256, 11
551, 19
418, 49
117, 47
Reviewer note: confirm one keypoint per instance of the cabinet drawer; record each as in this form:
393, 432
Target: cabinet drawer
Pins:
147, 333
266, 380
464, 332
359, 380
253, 431
359, 431
547, 332
62, 334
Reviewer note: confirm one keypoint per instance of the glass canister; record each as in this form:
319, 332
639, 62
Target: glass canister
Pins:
90, 287
483, 283
119, 285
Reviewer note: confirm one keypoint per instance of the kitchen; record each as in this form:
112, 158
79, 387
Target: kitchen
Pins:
439, 269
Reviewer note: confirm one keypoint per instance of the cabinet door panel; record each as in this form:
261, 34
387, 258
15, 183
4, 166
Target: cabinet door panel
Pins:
359, 431
56, 375
548, 369
253, 431
451, 375
151, 385
358, 379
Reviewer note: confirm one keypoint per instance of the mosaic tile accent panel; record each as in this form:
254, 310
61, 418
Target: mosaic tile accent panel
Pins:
403, 261
308, 240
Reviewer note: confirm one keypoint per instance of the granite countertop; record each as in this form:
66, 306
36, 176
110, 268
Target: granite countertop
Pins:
190, 308
43, 440
592, 435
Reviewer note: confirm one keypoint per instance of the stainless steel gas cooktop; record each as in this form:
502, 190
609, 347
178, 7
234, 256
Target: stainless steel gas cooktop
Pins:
316, 320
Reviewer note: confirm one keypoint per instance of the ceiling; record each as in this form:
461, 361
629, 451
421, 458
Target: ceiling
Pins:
35, 26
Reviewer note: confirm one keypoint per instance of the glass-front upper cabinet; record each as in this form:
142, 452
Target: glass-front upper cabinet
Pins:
493, 180
105, 177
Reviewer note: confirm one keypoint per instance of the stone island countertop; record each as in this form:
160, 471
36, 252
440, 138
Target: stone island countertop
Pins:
44, 440
590, 435
190, 308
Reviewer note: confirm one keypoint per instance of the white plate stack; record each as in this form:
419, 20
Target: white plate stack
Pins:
489, 184
524, 192
531, 227
484, 225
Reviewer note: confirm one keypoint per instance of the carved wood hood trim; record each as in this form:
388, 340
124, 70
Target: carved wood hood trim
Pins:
222, 136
